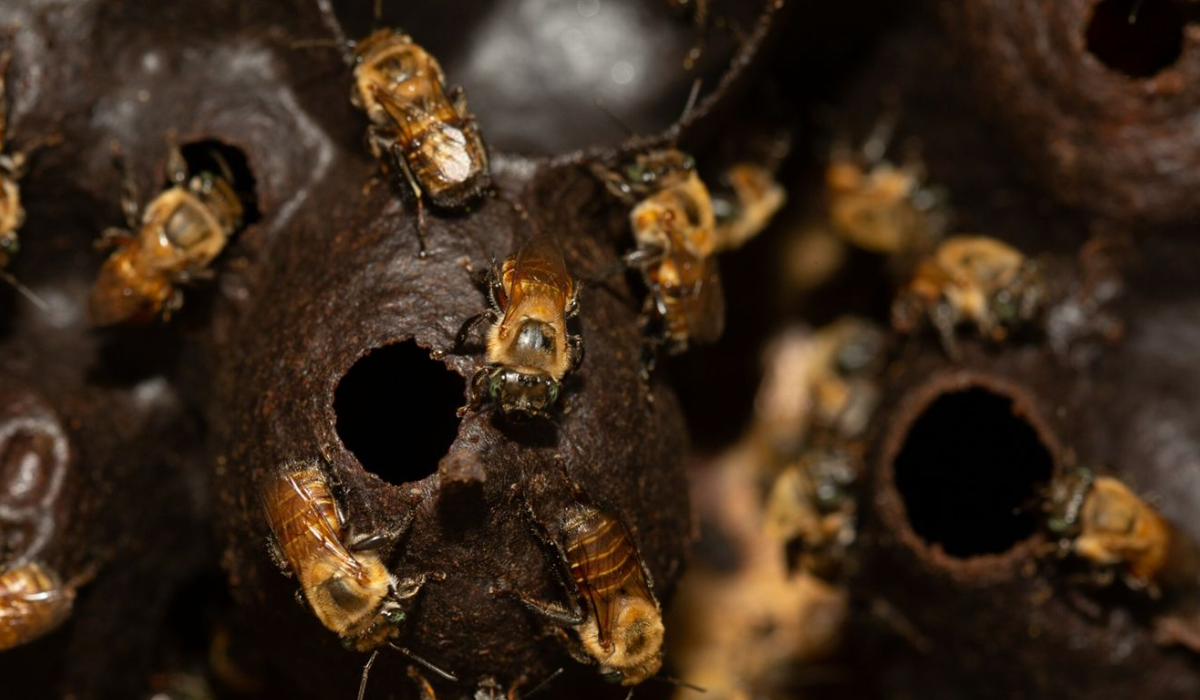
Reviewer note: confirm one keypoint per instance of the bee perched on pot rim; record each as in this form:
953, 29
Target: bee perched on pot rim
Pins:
529, 347
174, 242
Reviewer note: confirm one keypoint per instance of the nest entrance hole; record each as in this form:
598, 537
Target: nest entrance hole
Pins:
231, 163
1138, 37
969, 470
397, 411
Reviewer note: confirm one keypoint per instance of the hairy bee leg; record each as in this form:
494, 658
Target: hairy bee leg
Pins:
460, 340
475, 393
398, 156
554, 612
575, 350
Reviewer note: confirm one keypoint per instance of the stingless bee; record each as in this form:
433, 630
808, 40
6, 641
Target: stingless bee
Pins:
811, 507
529, 347
674, 227
175, 240
343, 578
614, 613
415, 124
1103, 522
971, 279
33, 601
12, 167
756, 197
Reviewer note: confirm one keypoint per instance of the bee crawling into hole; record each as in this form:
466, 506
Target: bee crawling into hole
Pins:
973, 280
172, 243
530, 348
612, 608
342, 577
34, 601
416, 126
1105, 524
674, 228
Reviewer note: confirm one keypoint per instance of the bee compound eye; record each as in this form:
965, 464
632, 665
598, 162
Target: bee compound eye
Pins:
613, 677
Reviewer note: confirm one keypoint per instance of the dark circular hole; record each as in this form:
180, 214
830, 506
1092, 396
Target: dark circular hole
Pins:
229, 161
969, 470
397, 411
1137, 37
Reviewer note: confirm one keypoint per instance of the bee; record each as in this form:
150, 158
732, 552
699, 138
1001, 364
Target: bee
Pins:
345, 583
811, 507
33, 602
416, 125
173, 243
755, 198
529, 347
674, 228
614, 613
12, 167
976, 280
1104, 523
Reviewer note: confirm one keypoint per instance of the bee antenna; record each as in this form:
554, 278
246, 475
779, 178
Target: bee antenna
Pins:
223, 166
876, 145
679, 683
362, 685
546, 682
614, 118
444, 674
377, 13
25, 291
329, 17
693, 97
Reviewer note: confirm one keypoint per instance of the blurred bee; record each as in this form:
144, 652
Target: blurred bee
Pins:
811, 507
529, 347
12, 167
971, 279
674, 227
755, 198
825, 381
33, 602
615, 615
698, 11
173, 243
1104, 523
415, 125
878, 206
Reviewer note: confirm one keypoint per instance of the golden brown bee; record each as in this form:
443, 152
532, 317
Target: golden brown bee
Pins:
756, 197
674, 227
346, 585
33, 601
529, 347
811, 507
971, 279
1109, 526
176, 239
614, 613
12, 167
415, 125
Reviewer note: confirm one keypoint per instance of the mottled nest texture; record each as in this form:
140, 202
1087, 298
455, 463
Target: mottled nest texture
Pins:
325, 336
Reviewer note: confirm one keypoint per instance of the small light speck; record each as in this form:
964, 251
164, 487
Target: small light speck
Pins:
588, 8
622, 72
143, 95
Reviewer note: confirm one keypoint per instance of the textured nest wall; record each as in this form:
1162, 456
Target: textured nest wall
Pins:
325, 336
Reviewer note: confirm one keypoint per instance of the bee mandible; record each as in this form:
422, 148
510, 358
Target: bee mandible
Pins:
416, 125
172, 243
529, 346
976, 280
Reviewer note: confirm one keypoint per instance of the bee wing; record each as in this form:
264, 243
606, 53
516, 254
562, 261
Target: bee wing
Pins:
539, 261
704, 303
319, 528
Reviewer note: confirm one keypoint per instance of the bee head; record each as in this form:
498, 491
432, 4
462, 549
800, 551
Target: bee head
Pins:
637, 643
518, 392
1021, 299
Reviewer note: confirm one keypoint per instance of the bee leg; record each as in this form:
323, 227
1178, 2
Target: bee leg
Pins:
130, 198
460, 340
475, 392
114, 237
398, 156
554, 612
641, 258
575, 349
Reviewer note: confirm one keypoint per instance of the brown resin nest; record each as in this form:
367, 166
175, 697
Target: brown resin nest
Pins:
324, 336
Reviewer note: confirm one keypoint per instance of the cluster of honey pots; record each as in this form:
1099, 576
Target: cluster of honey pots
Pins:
423, 136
